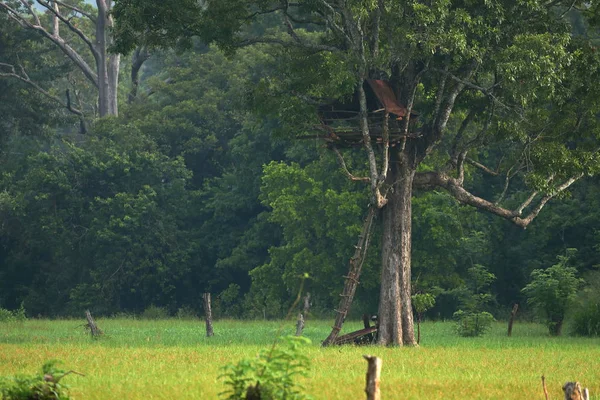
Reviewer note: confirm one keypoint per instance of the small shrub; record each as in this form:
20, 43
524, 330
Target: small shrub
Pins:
154, 312
472, 324
586, 309
6, 315
12, 316
270, 376
552, 290
186, 312
470, 319
44, 386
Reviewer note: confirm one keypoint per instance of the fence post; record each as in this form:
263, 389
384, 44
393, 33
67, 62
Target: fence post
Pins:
208, 315
373, 373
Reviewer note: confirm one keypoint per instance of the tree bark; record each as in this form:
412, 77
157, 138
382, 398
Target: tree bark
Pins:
208, 315
91, 324
396, 326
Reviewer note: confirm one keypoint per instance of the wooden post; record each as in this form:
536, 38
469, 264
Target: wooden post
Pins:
91, 324
512, 319
299, 325
544, 387
373, 373
208, 315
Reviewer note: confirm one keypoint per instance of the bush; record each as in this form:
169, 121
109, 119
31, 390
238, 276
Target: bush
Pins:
44, 386
186, 312
552, 290
470, 319
12, 316
154, 312
471, 324
271, 375
586, 309
6, 315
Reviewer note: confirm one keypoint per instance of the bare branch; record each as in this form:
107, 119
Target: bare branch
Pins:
287, 43
75, 9
345, 167
53, 8
428, 180
482, 167
23, 77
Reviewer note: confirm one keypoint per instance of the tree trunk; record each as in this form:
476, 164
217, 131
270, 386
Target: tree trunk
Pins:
107, 64
396, 326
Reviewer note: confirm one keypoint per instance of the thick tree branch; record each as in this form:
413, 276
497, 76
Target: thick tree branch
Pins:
429, 180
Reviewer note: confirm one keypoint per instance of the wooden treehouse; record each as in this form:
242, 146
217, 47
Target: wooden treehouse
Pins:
340, 121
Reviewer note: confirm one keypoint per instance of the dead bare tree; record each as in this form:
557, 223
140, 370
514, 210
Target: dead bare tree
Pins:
104, 74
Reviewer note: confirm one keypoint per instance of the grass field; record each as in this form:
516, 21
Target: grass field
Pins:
172, 359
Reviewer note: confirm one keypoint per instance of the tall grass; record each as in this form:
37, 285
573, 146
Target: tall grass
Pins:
168, 359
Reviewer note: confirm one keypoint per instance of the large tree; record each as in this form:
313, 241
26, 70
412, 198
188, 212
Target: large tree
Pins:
499, 87
82, 33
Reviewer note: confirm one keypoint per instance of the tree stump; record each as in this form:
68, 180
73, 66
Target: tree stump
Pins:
512, 319
299, 325
91, 325
373, 373
208, 315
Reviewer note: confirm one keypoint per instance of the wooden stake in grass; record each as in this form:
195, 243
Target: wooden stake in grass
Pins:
299, 325
512, 319
544, 387
373, 373
208, 315
91, 325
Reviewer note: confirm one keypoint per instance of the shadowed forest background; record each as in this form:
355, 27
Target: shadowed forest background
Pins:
197, 187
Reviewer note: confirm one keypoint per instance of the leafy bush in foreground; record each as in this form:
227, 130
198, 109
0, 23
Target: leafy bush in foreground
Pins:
44, 386
271, 375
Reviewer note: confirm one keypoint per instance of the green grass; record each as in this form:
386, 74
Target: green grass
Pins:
172, 359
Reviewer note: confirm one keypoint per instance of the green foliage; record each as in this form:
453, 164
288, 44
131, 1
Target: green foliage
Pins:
186, 312
585, 310
43, 386
471, 324
155, 312
12, 316
552, 290
471, 319
422, 302
273, 373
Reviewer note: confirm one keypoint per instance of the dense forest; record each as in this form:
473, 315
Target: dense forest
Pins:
194, 165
